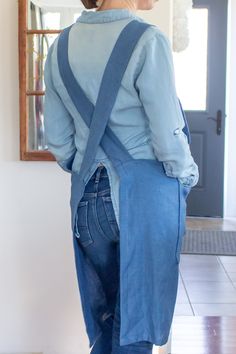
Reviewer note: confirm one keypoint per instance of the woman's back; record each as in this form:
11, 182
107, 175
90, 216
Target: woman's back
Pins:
146, 114
146, 117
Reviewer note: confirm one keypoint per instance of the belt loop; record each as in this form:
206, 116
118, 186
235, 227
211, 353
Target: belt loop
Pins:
98, 173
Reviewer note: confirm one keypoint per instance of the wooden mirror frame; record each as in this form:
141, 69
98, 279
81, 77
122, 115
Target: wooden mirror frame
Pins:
24, 93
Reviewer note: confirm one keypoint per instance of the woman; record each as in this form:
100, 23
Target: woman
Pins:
148, 120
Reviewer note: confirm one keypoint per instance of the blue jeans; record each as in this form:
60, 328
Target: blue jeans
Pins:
99, 238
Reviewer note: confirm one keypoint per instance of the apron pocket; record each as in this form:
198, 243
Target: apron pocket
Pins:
81, 224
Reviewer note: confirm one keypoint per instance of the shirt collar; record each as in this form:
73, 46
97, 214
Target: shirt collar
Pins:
91, 16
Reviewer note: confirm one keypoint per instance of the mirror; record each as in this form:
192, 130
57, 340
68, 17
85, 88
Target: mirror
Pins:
40, 22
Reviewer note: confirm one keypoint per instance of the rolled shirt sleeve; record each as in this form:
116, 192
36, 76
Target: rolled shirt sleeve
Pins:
59, 125
155, 84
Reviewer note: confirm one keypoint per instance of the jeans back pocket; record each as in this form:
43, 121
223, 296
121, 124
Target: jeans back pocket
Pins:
81, 224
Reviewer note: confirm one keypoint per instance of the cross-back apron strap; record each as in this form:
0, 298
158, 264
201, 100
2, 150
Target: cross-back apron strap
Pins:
97, 117
110, 143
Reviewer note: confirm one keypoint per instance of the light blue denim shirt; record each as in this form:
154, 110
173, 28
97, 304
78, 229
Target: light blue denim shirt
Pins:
146, 116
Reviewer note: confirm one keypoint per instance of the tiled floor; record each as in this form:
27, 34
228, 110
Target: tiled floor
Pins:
207, 283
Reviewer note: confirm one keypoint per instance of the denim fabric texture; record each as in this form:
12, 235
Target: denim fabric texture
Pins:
99, 239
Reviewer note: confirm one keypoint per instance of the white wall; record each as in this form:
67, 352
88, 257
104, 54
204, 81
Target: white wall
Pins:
39, 300
160, 16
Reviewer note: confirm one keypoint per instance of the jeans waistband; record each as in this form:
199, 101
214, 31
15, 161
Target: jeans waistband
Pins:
101, 172
98, 184
104, 192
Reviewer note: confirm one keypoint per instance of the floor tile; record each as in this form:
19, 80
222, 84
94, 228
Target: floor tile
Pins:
230, 267
232, 276
210, 292
182, 297
183, 310
227, 259
204, 274
214, 309
207, 281
196, 258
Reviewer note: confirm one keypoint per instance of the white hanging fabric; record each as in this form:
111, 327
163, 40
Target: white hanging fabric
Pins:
180, 24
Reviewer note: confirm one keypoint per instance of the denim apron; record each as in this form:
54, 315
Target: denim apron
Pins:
152, 211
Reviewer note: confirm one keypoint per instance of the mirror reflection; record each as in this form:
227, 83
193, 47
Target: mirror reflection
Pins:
43, 15
48, 14
38, 45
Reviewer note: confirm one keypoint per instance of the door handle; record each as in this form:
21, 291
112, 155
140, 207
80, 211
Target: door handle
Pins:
218, 121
